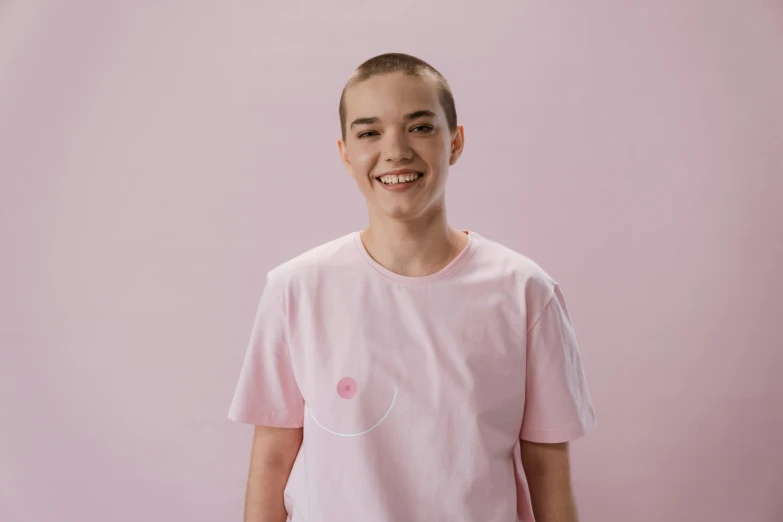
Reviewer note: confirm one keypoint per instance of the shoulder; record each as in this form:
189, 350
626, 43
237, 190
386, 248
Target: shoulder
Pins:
337, 254
524, 278
514, 265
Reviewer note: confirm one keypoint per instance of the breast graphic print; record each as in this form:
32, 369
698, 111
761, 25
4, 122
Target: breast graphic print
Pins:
348, 390
355, 391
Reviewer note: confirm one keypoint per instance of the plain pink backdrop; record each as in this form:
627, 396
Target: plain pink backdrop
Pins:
157, 158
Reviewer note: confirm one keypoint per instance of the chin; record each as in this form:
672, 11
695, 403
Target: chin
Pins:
399, 214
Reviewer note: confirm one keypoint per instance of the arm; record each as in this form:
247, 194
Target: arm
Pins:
548, 475
272, 457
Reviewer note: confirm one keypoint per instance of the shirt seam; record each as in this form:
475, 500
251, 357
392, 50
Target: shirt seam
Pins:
541, 315
287, 333
446, 272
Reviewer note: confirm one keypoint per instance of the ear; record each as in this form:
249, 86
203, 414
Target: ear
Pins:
457, 144
343, 150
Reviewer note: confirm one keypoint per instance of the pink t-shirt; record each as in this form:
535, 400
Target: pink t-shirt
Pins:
414, 392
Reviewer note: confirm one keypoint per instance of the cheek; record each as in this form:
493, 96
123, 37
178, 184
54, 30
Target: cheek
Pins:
435, 153
362, 161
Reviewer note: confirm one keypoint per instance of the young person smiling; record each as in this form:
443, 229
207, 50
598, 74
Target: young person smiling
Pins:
410, 371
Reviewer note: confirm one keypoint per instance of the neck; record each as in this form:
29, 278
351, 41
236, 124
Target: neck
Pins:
415, 248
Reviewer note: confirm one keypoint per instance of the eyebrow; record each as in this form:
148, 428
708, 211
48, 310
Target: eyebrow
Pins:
412, 116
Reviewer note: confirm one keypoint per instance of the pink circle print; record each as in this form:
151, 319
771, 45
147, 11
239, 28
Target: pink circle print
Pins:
347, 388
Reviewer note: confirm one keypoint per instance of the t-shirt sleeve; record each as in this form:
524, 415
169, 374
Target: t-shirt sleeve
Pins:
558, 407
267, 393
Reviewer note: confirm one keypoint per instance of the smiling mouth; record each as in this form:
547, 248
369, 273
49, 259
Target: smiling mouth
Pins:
401, 179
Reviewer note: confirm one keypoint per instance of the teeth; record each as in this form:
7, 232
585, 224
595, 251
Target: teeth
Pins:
393, 179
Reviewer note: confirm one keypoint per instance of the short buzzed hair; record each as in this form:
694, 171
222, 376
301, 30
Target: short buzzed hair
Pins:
398, 62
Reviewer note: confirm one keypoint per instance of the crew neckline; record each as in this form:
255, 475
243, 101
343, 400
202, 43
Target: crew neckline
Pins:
416, 280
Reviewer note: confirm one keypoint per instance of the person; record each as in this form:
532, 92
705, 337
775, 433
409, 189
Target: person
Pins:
410, 371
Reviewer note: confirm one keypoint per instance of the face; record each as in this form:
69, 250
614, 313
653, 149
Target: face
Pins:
398, 147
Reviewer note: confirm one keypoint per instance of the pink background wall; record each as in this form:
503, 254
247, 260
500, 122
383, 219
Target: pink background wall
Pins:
158, 157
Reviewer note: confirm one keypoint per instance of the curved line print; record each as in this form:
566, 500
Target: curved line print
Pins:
394, 399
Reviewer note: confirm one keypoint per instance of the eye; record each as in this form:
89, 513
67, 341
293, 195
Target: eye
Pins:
424, 128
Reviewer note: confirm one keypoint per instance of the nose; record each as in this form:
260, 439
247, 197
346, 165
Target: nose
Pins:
396, 147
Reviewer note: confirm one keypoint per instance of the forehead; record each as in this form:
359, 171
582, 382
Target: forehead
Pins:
391, 95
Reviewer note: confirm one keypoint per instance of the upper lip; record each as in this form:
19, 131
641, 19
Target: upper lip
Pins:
399, 172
